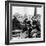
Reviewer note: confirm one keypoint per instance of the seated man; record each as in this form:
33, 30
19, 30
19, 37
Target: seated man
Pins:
16, 24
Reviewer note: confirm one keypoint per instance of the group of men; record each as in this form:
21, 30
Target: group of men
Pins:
32, 29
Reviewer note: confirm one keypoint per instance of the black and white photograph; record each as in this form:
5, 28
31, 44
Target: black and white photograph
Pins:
25, 22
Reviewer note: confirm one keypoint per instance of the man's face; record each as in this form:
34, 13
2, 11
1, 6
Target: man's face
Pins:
20, 18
